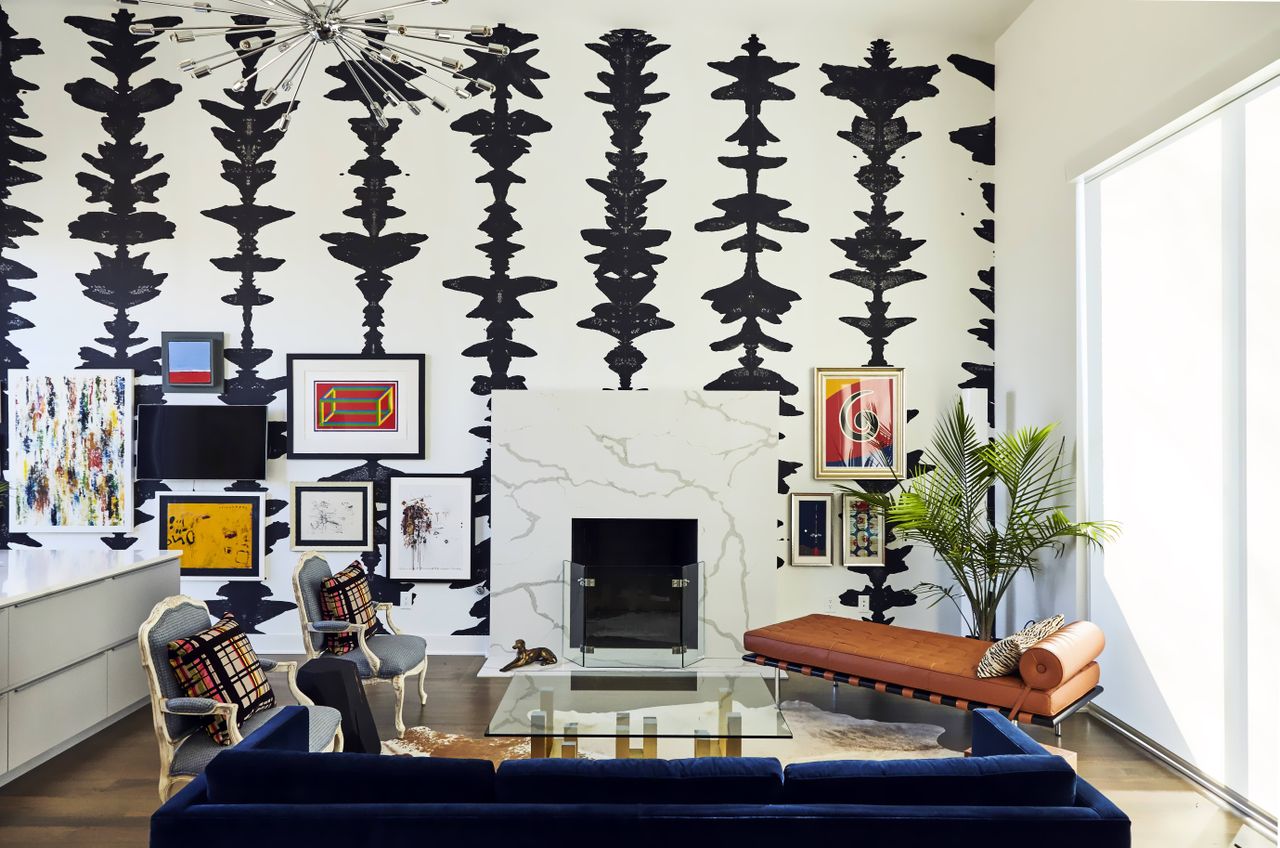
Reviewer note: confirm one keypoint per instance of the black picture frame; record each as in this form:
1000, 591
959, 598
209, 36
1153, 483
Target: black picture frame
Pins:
393, 534
300, 542
257, 545
215, 341
293, 451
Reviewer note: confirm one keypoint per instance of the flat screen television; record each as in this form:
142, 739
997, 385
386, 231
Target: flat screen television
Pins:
213, 442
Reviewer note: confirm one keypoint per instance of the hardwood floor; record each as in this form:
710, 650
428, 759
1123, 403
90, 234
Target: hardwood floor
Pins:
101, 793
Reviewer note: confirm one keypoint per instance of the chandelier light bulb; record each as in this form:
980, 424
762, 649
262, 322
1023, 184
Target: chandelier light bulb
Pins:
385, 75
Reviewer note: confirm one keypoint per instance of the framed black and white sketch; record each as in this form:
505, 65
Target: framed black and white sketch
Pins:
432, 527
357, 406
331, 516
811, 539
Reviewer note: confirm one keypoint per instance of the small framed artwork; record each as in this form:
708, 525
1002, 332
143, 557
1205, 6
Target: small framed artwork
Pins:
191, 362
432, 527
219, 533
353, 406
331, 516
70, 451
862, 530
859, 419
811, 542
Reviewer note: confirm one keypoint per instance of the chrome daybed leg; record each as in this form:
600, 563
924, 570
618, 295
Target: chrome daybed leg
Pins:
1057, 730
777, 686
835, 695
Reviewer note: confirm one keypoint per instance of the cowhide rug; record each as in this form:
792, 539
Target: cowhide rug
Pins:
817, 735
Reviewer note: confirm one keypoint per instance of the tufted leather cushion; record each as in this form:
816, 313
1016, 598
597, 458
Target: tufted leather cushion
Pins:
1061, 655
935, 662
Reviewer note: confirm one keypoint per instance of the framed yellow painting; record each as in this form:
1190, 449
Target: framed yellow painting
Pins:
859, 419
219, 533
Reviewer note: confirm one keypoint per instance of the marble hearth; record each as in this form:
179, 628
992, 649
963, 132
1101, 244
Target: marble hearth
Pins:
709, 456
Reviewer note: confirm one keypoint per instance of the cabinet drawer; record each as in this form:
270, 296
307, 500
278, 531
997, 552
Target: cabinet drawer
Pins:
48, 713
4, 651
4, 733
49, 633
126, 681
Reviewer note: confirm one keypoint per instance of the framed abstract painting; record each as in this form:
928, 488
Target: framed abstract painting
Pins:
356, 406
811, 541
859, 420
191, 362
432, 527
862, 532
70, 451
331, 516
219, 533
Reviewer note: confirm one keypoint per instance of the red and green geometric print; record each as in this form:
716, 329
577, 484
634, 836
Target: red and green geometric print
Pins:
353, 405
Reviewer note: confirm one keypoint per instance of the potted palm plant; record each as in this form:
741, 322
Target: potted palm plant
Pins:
945, 506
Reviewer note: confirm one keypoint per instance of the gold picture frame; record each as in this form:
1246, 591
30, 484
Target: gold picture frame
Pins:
852, 440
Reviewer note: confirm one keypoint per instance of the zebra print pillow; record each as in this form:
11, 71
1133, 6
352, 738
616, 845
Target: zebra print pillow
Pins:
1002, 657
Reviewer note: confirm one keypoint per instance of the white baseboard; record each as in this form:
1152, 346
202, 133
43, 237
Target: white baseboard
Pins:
289, 644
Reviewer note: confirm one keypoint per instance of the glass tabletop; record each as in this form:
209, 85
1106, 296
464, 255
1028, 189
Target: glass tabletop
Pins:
634, 705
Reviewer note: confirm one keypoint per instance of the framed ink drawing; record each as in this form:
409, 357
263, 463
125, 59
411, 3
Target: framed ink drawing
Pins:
432, 528
859, 420
353, 406
811, 542
862, 532
219, 533
70, 451
331, 516
191, 362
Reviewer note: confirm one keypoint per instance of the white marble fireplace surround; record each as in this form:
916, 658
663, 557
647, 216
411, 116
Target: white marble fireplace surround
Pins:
559, 455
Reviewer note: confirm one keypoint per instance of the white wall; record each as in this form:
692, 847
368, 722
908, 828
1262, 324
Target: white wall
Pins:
1080, 82
317, 307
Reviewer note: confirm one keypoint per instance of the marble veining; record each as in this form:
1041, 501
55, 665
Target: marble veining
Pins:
653, 454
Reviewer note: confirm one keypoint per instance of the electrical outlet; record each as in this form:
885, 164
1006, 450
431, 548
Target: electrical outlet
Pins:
831, 604
864, 603
406, 600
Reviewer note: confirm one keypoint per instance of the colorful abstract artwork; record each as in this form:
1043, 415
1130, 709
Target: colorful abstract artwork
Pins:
219, 534
71, 451
331, 516
357, 406
191, 362
432, 527
858, 416
863, 532
811, 542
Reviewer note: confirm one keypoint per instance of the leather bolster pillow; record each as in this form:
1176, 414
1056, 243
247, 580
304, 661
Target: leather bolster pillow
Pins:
1061, 656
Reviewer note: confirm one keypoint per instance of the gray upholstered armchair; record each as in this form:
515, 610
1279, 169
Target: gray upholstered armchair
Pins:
185, 749
384, 657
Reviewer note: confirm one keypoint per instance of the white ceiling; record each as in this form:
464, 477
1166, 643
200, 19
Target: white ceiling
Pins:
981, 19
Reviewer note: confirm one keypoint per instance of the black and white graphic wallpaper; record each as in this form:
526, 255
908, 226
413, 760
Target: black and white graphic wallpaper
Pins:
652, 198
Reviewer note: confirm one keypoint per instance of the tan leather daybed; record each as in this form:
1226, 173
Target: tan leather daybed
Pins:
1057, 676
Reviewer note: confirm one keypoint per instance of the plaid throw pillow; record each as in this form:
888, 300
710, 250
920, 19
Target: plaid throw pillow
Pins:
346, 597
219, 663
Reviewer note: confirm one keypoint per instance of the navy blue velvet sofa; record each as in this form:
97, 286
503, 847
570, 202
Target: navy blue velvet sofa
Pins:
270, 791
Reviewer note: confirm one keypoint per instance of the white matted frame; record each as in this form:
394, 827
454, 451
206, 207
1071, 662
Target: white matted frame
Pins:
331, 516
357, 406
811, 540
431, 524
28, 392
861, 532
192, 523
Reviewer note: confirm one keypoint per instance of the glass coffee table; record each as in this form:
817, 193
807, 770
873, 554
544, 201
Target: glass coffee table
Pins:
716, 712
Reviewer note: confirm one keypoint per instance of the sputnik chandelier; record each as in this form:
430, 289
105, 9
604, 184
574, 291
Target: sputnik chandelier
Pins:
385, 74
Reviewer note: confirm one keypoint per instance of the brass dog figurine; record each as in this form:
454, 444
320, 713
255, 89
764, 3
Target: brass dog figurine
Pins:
529, 656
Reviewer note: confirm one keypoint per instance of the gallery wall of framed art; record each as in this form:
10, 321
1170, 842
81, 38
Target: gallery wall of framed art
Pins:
432, 527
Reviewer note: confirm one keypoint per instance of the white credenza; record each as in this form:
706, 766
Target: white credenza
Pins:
69, 662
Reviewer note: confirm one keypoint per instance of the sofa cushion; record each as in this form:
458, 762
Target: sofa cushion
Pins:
1000, 781
293, 777
219, 663
709, 780
346, 596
